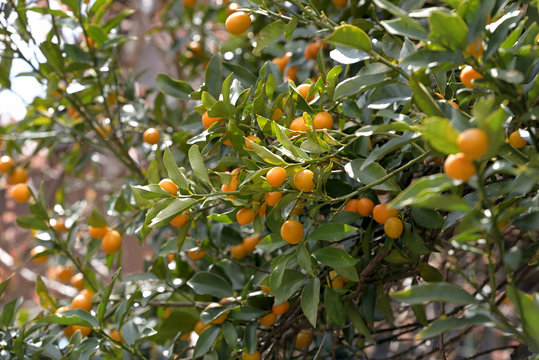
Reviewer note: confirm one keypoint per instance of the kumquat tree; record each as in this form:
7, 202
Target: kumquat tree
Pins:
301, 179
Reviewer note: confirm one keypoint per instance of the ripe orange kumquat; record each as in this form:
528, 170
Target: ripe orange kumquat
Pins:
281, 62
476, 48
365, 206
268, 320
81, 302
18, 176
311, 50
276, 176
459, 167
323, 120
85, 331
252, 138
516, 140
340, 3
97, 232
303, 90
151, 136
63, 273
200, 327
6, 163
238, 23
292, 232
112, 242
250, 242
168, 185
238, 252
272, 198
281, 308
221, 318
298, 124
21, 193
179, 220
393, 227
382, 212
196, 253
303, 180
245, 216
77, 281
473, 143
34, 253
208, 121
351, 206
468, 75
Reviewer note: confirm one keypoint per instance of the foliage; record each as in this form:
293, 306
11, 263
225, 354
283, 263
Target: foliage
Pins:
389, 76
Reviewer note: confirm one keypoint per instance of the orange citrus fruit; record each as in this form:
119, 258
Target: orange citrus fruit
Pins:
459, 167
516, 140
245, 216
77, 281
238, 252
238, 23
303, 180
393, 227
473, 143
36, 251
273, 197
6, 163
351, 205
382, 212
208, 121
81, 302
97, 232
276, 176
168, 185
365, 206
20, 193
196, 253
298, 124
250, 242
179, 220
221, 319
281, 308
468, 75
18, 176
323, 120
112, 242
268, 319
151, 136
303, 339
292, 231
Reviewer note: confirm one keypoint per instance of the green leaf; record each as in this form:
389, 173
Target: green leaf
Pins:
198, 166
351, 36
310, 297
422, 97
267, 35
528, 222
442, 292
267, 155
429, 273
334, 257
175, 88
175, 207
208, 283
441, 134
4, 284
357, 320
444, 324
448, 30
31, 222
429, 219
332, 232
9, 312
391, 145
213, 76
369, 75
370, 174
292, 281
424, 188
528, 311
304, 259
45, 299
334, 308
97, 219
407, 27
102, 307
173, 171
249, 338
230, 334
153, 172
71, 317
205, 341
